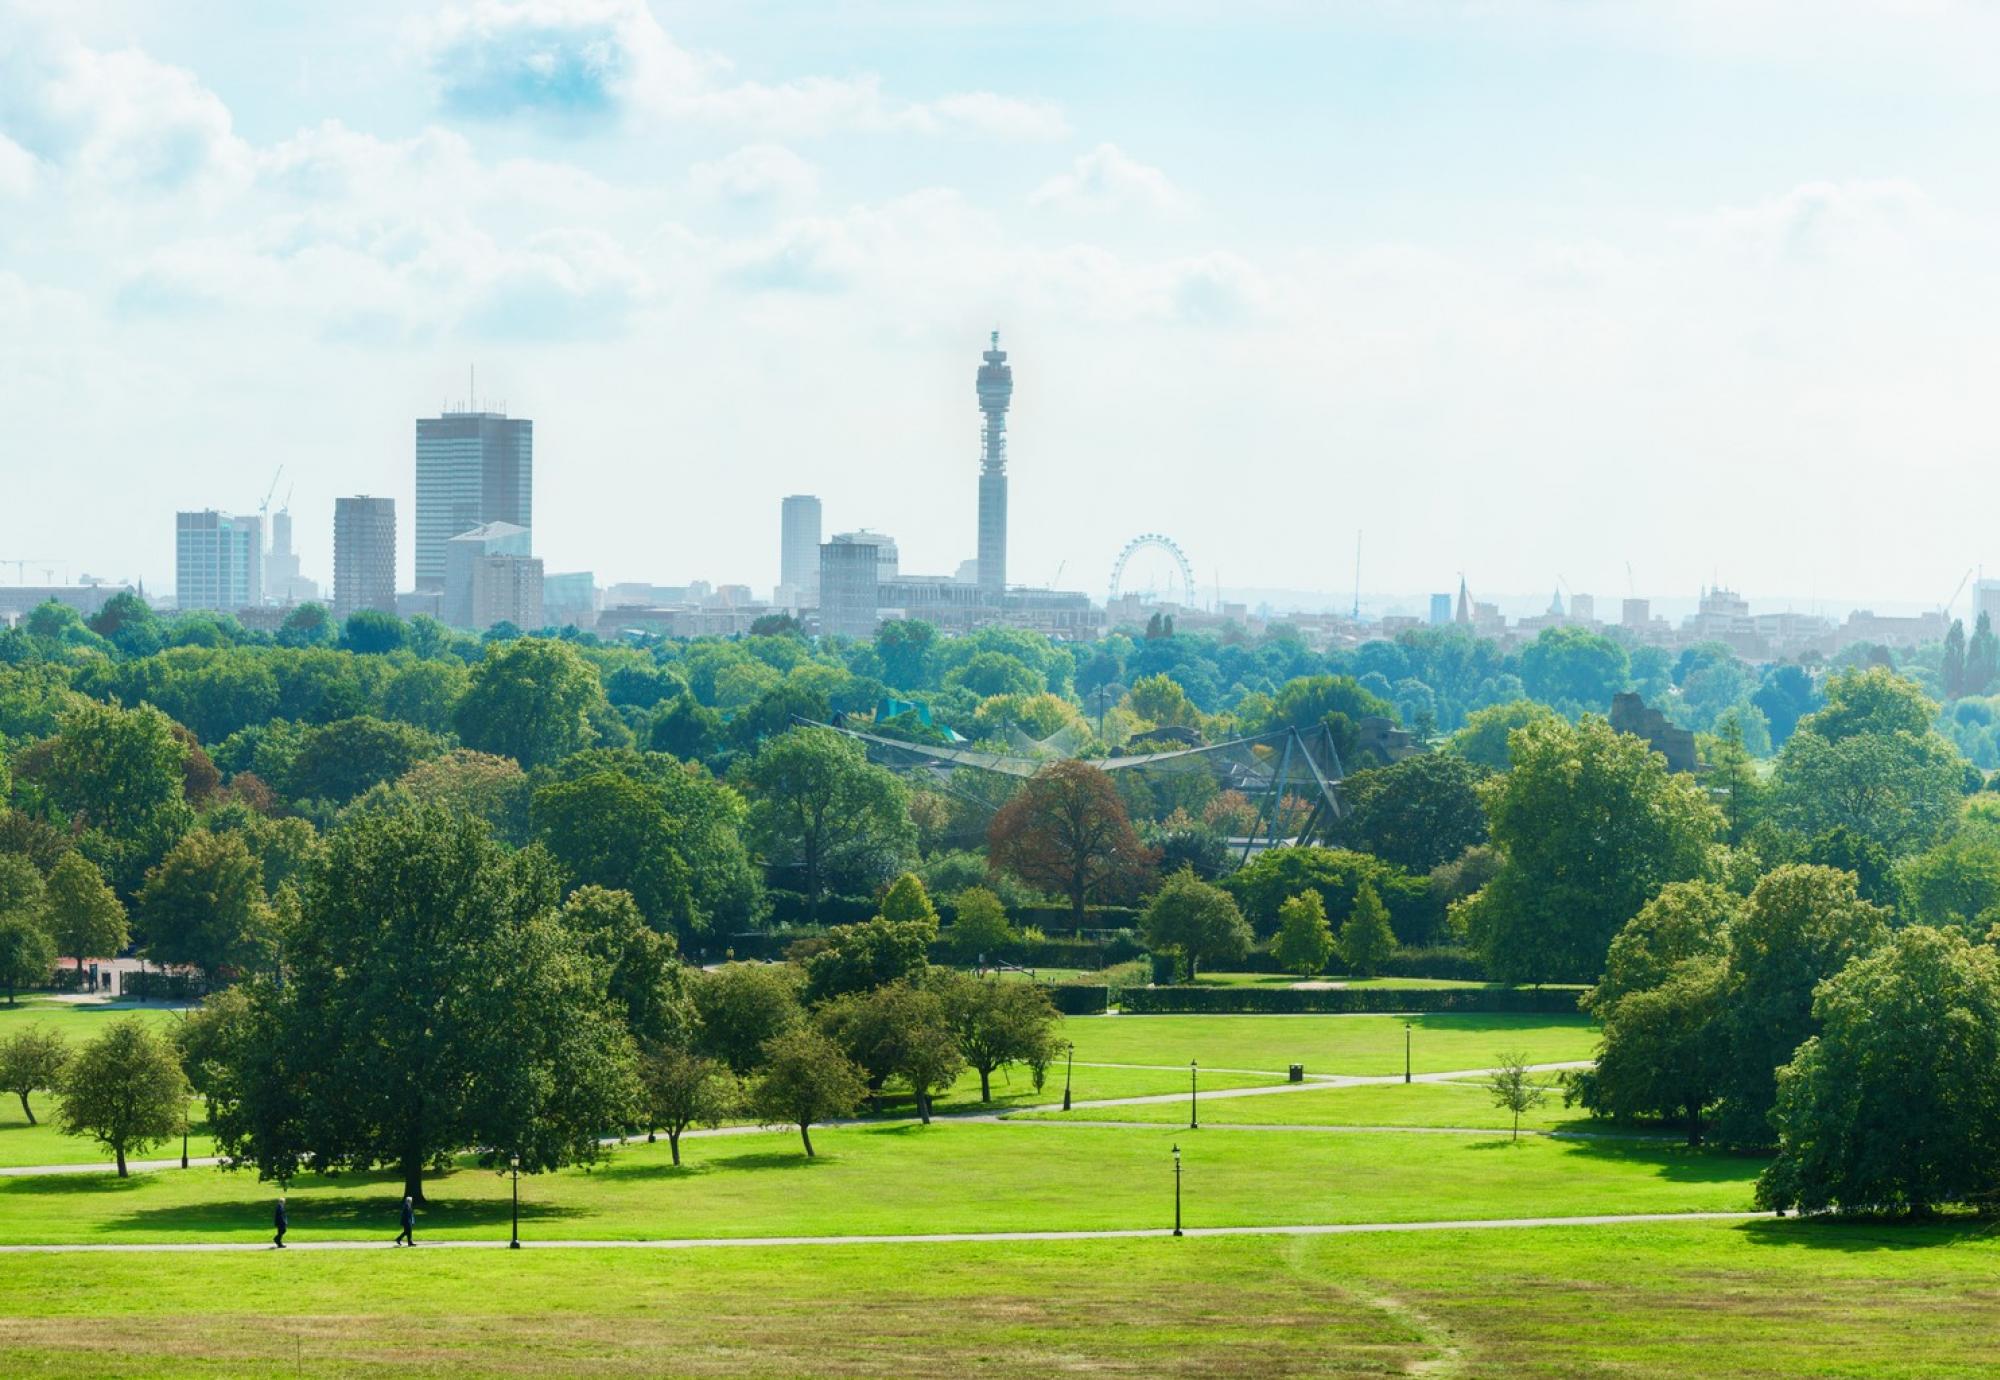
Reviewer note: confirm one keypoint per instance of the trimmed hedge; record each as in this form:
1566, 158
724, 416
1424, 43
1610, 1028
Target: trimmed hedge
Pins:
1222, 1001
1456, 965
1076, 999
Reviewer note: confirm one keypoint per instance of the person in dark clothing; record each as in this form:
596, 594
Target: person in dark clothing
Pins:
278, 1221
405, 1237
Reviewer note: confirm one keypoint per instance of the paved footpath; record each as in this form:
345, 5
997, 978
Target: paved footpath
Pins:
1011, 1116
931, 1238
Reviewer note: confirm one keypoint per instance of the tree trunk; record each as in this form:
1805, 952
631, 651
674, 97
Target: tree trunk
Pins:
1694, 1125
674, 1144
27, 1110
119, 1151
1076, 902
1517, 1123
985, 1083
805, 1134
923, 1108
413, 1182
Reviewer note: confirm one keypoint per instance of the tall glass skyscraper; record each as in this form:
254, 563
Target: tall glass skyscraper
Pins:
472, 468
798, 550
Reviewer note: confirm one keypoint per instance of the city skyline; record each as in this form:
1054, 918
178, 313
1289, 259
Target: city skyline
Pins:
1407, 290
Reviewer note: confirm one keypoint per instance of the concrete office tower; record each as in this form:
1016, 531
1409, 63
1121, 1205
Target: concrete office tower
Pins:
489, 578
364, 555
996, 392
798, 554
472, 468
850, 584
218, 560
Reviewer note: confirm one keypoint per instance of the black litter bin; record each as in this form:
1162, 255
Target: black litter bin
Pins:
1298, 1073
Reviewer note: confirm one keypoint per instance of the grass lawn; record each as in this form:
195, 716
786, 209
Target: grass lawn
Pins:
1726, 1300
908, 1178
42, 1143
1385, 1104
77, 1021
1286, 980
1366, 1045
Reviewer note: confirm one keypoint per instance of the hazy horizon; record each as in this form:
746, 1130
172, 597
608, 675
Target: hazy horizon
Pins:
1531, 292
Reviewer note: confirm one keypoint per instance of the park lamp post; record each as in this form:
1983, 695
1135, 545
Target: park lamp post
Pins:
1406, 1051
1069, 1062
1177, 1190
1194, 1120
514, 1165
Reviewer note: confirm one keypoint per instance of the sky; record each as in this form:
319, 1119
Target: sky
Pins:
1616, 297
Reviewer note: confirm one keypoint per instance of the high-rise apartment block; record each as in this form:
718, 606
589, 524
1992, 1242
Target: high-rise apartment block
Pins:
364, 555
218, 560
798, 551
996, 394
472, 468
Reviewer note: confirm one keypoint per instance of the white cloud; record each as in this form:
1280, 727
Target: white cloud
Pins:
116, 117
580, 62
1817, 222
1108, 179
755, 173
17, 169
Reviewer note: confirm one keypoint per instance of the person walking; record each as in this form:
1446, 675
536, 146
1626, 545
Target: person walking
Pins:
406, 1237
278, 1221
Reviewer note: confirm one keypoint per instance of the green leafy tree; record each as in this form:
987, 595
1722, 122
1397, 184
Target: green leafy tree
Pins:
1733, 776
32, 1061
1366, 941
1982, 658
340, 760
904, 645
1665, 1048
1305, 938
116, 769
854, 958
997, 1023
27, 953
680, 1088
1483, 740
1159, 700
980, 927
1686, 920
611, 831
1514, 1089
85, 918
742, 1006
643, 974
930, 1059
204, 905
1195, 921
1800, 926
492, 789
1572, 665
1338, 702
425, 694
373, 632
124, 1090
210, 1040
530, 699
1956, 884
805, 1079
1066, 831
1895, 1104
686, 728
1263, 885
1590, 824
432, 1001
818, 804
1418, 813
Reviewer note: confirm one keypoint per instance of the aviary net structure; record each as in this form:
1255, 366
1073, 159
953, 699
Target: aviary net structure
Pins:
1288, 780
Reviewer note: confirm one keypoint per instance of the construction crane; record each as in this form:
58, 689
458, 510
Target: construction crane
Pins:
21, 564
264, 508
1946, 610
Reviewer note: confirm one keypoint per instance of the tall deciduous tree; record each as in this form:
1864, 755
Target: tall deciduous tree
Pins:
1895, 1103
530, 699
679, 1089
1686, 920
1419, 813
1066, 831
1665, 1048
818, 803
1591, 824
1195, 921
204, 905
124, 1089
432, 1001
741, 1006
1801, 925
116, 768
85, 918
997, 1023
805, 1079
1366, 941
